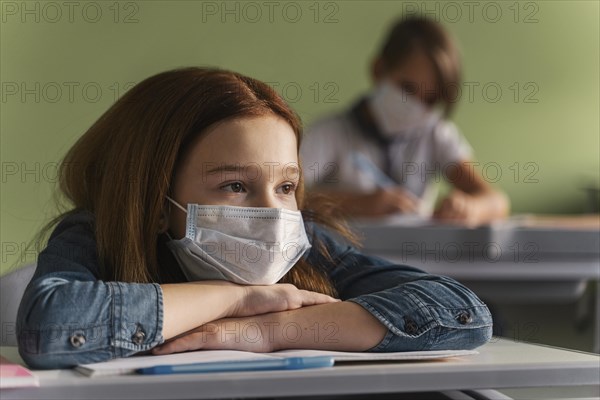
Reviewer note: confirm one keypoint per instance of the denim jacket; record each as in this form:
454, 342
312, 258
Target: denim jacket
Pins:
70, 316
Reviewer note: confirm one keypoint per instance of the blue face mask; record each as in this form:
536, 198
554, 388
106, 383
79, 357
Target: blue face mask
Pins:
245, 245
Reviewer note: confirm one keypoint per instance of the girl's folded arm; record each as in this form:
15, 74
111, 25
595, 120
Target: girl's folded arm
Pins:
69, 316
65, 320
421, 311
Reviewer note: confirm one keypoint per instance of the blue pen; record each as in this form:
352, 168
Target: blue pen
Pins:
383, 181
233, 366
364, 164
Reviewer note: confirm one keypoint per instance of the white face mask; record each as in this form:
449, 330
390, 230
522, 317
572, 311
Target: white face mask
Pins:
397, 113
245, 245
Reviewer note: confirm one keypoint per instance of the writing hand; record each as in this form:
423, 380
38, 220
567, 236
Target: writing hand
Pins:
391, 200
458, 207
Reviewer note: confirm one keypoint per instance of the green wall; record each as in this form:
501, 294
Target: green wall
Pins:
62, 65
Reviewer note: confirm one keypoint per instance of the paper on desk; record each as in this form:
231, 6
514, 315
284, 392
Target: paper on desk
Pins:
124, 366
341, 356
13, 375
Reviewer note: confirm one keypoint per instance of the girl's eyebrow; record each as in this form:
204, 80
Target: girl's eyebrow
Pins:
211, 169
226, 168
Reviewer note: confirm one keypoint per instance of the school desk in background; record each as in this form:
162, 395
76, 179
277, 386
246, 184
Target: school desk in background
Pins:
524, 259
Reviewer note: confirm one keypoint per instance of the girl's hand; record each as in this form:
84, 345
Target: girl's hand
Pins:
244, 334
243, 328
341, 326
216, 300
273, 298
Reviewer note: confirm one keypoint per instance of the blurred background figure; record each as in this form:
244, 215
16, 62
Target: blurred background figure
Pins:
385, 153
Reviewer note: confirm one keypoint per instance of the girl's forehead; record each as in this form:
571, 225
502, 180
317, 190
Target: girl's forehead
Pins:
267, 141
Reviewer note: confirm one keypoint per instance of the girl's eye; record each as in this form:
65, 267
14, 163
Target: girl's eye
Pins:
235, 187
288, 188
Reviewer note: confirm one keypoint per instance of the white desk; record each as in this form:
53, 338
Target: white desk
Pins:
503, 263
496, 252
500, 364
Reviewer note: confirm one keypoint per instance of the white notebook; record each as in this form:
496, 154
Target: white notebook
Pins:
125, 366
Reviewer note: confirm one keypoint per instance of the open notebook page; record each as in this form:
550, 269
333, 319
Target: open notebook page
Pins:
128, 365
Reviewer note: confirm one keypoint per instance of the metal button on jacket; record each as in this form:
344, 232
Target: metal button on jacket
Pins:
139, 336
77, 340
464, 318
410, 326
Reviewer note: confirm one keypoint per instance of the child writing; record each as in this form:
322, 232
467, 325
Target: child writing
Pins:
189, 230
401, 131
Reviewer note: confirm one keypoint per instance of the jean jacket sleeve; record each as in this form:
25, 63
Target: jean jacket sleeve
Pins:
69, 316
420, 310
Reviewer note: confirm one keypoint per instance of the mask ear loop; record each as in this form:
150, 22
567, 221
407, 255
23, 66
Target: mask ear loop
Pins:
178, 206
